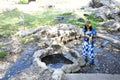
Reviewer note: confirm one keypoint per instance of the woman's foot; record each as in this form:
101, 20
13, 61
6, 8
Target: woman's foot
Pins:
92, 62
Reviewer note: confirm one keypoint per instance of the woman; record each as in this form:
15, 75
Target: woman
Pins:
88, 34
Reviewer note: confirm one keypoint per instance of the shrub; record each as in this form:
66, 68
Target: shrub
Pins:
2, 54
94, 21
23, 1
24, 40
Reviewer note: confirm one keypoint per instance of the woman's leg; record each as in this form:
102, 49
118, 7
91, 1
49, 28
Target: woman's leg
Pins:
85, 50
91, 54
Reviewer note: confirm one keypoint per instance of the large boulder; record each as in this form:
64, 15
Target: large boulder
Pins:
115, 15
106, 9
111, 25
100, 3
102, 12
107, 12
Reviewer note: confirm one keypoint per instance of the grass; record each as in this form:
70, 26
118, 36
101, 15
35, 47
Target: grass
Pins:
3, 51
41, 18
71, 18
23, 40
3, 54
23, 1
26, 39
94, 21
10, 21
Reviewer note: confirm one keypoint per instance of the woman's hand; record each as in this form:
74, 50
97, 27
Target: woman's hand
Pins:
90, 39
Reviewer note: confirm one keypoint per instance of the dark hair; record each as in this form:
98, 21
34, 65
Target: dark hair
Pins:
85, 26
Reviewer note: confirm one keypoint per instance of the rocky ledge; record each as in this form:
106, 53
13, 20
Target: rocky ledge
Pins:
62, 39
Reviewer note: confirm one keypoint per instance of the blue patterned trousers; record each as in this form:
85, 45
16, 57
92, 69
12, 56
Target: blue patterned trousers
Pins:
88, 51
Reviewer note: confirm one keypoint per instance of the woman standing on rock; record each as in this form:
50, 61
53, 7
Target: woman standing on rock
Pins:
88, 34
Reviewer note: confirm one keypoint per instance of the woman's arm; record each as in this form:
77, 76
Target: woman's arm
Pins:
84, 36
94, 36
94, 33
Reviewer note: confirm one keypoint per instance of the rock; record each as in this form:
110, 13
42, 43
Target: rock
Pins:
113, 41
81, 19
38, 55
100, 3
75, 68
48, 41
62, 33
34, 72
58, 74
66, 68
46, 74
115, 27
119, 13
59, 18
3, 68
104, 44
69, 56
51, 6
16, 46
75, 53
115, 15
107, 23
56, 47
111, 25
71, 68
95, 4
102, 12
106, 9
81, 61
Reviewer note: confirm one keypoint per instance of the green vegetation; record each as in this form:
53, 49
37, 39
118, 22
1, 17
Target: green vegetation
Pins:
23, 1
94, 21
13, 21
67, 16
3, 50
9, 23
71, 18
76, 22
2, 54
26, 39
